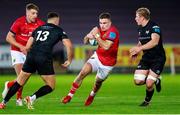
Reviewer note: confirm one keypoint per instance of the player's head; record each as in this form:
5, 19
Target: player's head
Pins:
142, 15
53, 17
105, 21
31, 12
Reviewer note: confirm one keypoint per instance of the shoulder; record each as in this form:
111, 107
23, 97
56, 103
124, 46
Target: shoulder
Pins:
154, 25
114, 28
20, 20
40, 21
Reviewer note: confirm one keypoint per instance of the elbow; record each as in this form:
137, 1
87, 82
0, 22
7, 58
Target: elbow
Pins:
7, 39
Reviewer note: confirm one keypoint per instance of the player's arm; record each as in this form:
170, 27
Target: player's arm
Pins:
29, 43
94, 31
69, 49
154, 41
87, 37
10, 38
105, 44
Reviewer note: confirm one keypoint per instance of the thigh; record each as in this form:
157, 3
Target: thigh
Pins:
157, 66
143, 65
44, 65
93, 60
141, 72
29, 65
103, 72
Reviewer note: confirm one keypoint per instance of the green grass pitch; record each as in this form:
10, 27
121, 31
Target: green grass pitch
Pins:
118, 95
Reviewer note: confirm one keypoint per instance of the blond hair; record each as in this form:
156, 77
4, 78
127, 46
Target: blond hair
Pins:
143, 12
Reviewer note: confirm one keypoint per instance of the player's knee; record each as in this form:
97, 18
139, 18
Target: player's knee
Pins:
139, 79
150, 81
99, 82
82, 74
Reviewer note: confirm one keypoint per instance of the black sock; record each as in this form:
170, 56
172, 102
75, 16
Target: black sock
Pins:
43, 91
13, 89
149, 95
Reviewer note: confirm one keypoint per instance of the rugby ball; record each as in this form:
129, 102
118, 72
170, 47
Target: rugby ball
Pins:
93, 42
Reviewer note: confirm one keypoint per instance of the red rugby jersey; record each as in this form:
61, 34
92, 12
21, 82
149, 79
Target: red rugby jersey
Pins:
109, 57
23, 30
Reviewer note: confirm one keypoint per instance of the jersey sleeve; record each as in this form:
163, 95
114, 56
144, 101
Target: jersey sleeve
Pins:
111, 36
64, 35
156, 29
15, 28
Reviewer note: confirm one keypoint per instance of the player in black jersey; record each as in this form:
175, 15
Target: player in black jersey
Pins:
39, 58
151, 65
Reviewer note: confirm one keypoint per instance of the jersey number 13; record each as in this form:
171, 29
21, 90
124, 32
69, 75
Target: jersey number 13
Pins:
42, 35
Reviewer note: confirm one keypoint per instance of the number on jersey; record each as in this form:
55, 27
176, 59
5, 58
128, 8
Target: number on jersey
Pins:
42, 35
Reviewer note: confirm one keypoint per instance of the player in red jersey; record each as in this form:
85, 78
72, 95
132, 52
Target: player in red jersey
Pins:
103, 59
18, 36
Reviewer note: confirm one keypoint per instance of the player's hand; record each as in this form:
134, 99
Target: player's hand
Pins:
133, 57
95, 31
90, 36
66, 63
135, 50
23, 50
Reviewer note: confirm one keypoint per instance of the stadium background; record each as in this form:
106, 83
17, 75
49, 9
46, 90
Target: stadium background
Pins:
79, 16
118, 95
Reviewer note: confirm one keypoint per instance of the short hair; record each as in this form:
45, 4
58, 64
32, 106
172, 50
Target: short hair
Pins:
143, 12
105, 15
52, 15
32, 6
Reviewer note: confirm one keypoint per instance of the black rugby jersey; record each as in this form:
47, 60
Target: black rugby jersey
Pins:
45, 37
145, 36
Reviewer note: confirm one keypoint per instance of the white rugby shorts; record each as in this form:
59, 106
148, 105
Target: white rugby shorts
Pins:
17, 57
102, 70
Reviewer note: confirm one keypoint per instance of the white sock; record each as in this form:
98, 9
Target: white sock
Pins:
70, 94
33, 98
92, 93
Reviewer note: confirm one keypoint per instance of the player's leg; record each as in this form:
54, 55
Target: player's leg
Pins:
44, 90
87, 69
151, 79
18, 68
102, 74
18, 59
97, 86
140, 76
47, 88
44, 67
21, 80
141, 72
157, 68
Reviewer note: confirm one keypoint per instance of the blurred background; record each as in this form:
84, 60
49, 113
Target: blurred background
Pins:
78, 17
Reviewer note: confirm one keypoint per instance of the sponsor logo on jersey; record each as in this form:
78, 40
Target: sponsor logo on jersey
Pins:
112, 35
156, 29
